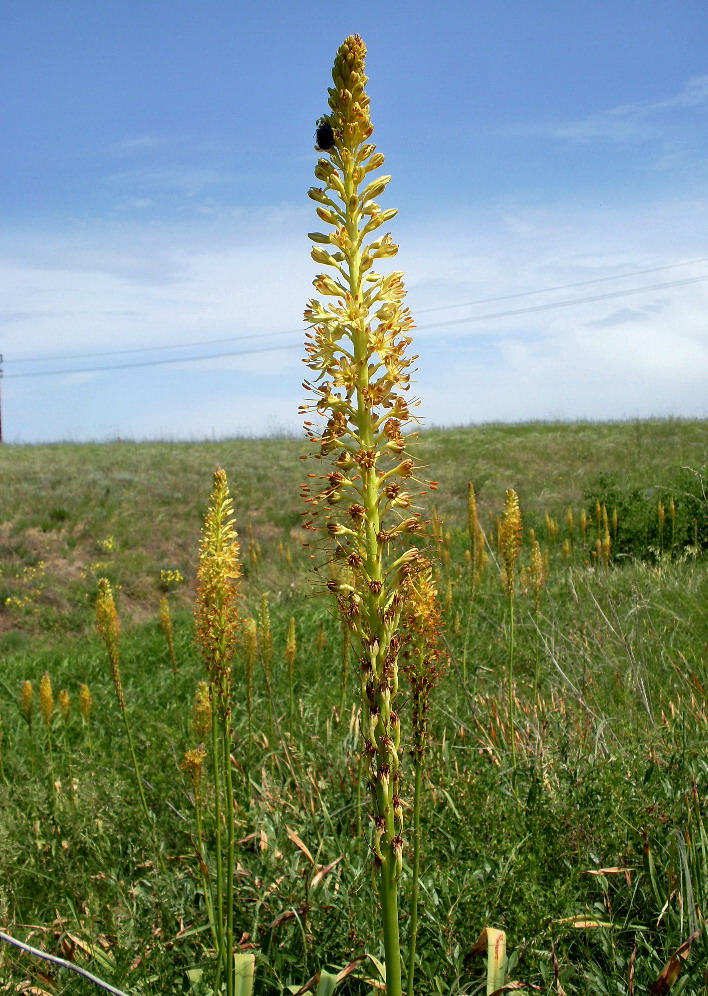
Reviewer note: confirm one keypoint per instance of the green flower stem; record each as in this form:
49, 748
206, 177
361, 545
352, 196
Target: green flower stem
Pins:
217, 623
52, 777
386, 757
219, 913
360, 775
388, 892
344, 677
206, 883
510, 680
136, 770
230, 857
419, 761
356, 347
141, 792
537, 658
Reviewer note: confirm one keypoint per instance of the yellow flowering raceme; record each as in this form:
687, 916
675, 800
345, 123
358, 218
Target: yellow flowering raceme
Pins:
216, 614
357, 415
85, 702
46, 699
510, 539
108, 626
27, 701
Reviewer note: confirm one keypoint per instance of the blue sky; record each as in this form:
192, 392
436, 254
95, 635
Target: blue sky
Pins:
549, 162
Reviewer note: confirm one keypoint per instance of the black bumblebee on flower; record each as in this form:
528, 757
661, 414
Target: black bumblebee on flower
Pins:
324, 135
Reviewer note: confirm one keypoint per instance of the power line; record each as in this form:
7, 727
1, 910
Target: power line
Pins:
433, 325
157, 363
298, 331
564, 304
154, 349
548, 290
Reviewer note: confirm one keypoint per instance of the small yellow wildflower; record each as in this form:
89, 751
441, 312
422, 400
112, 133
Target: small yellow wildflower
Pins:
46, 699
27, 701
510, 538
108, 626
192, 763
85, 702
216, 613
64, 702
201, 712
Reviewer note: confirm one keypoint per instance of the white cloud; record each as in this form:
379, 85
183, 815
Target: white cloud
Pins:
694, 94
137, 145
120, 287
636, 120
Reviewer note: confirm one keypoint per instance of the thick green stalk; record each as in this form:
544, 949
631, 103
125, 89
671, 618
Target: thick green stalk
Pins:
217, 622
230, 857
359, 776
386, 759
206, 883
52, 777
388, 892
136, 770
416, 873
344, 677
510, 679
269, 699
537, 660
216, 774
141, 792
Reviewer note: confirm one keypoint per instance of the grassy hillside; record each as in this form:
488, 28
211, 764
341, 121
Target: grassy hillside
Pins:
584, 835
130, 510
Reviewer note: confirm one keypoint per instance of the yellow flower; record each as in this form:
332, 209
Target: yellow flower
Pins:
201, 714
537, 570
46, 699
64, 702
216, 612
27, 701
424, 652
170, 579
108, 626
510, 537
360, 413
85, 702
291, 645
192, 763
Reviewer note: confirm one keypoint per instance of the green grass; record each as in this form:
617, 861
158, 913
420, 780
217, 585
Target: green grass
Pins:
612, 748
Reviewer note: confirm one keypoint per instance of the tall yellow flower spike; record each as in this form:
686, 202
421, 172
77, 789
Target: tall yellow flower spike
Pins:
108, 626
201, 712
216, 614
290, 656
537, 571
46, 699
64, 703
426, 660
192, 763
27, 701
510, 538
250, 656
357, 350
424, 651
217, 626
85, 702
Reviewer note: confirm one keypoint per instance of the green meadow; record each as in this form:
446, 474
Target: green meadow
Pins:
569, 812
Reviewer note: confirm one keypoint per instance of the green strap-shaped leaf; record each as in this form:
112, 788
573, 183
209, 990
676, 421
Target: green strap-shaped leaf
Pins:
244, 969
327, 983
